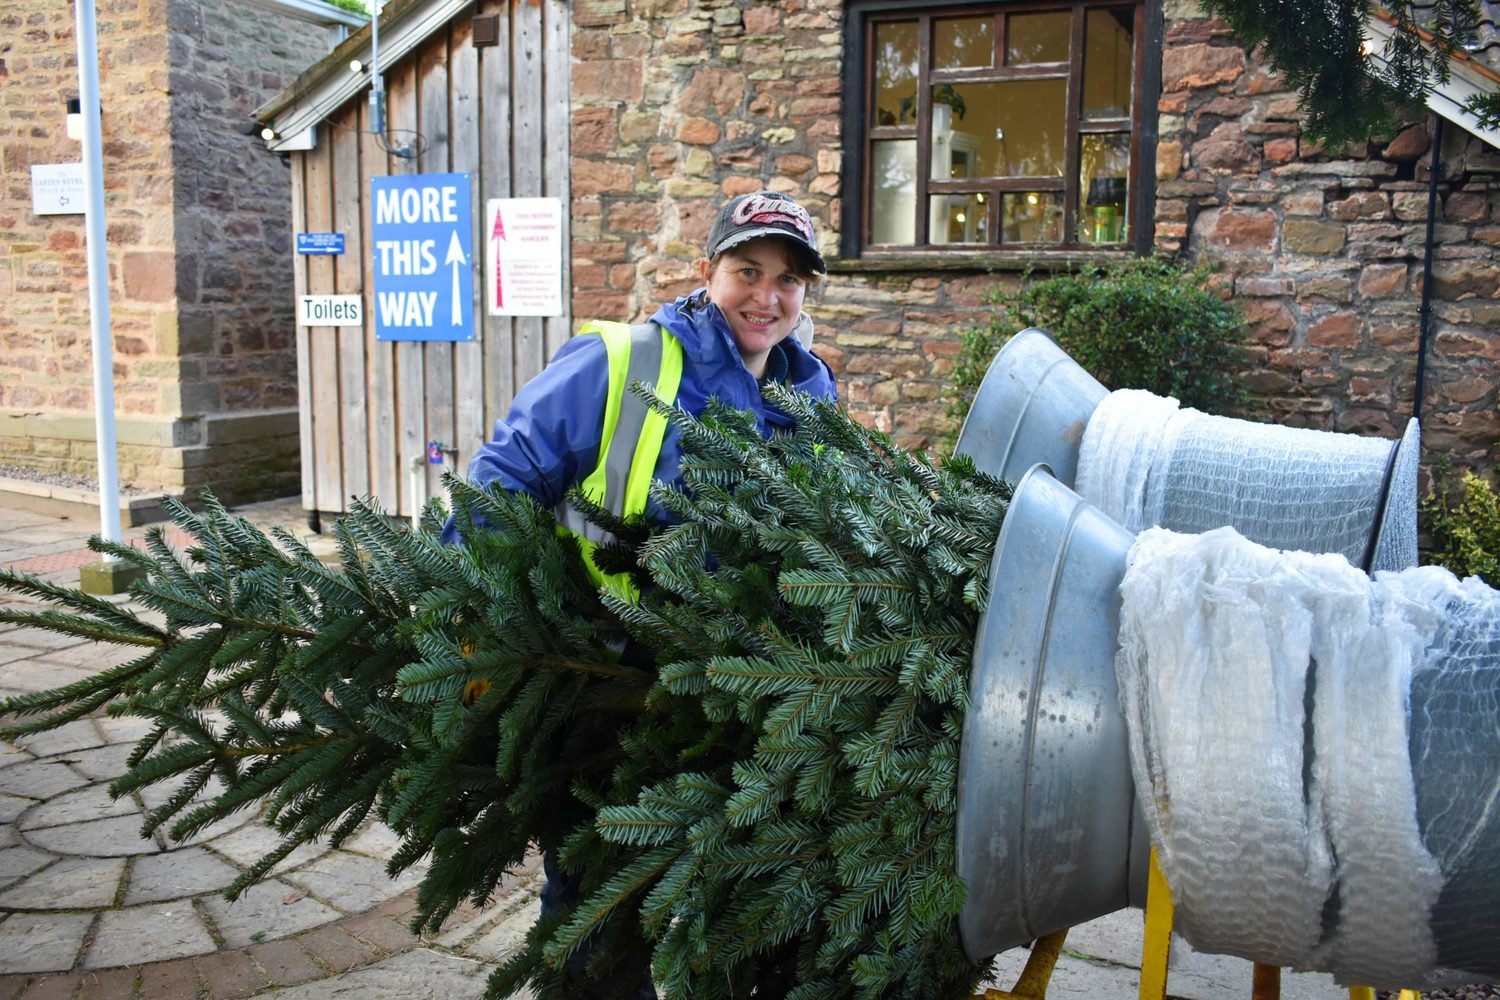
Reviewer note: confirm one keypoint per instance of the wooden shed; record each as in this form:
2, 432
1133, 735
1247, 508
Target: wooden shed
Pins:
476, 88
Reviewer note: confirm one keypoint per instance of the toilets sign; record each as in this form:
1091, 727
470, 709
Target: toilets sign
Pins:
422, 235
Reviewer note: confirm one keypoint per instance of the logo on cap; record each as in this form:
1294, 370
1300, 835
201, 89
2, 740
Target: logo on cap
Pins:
762, 210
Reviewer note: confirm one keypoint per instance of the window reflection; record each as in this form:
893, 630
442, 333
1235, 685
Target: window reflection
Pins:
1109, 42
1037, 38
896, 73
1103, 169
1031, 217
959, 218
893, 177
1010, 129
963, 42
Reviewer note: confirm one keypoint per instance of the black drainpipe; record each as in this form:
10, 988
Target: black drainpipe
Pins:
1426, 312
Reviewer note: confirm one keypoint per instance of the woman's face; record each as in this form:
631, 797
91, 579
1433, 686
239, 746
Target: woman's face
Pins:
755, 287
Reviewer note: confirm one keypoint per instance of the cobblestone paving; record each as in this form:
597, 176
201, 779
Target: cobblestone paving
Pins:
89, 908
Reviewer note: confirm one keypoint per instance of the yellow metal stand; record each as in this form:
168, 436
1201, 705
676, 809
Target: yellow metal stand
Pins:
1265, 982
1158, 943
1032, 984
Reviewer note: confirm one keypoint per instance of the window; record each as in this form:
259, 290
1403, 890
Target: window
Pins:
995, 126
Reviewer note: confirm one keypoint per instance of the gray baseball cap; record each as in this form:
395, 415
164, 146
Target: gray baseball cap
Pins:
765, 213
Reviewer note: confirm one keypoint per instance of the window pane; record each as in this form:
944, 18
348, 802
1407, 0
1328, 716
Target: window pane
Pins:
1109, 46
1103, 174
1011, 129
963, 42
893, 181
959, 218
1031, 217
1037, 38
896, 73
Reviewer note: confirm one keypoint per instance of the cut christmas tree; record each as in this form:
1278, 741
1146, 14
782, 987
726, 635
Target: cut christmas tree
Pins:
750, 765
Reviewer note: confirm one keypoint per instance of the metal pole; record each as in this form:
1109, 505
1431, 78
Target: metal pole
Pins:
1425, 329
99, 325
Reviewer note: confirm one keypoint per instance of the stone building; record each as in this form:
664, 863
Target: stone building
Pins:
677, 104
939, 147
199, 243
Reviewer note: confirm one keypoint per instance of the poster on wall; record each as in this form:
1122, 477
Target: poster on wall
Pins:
423, 239
523, 275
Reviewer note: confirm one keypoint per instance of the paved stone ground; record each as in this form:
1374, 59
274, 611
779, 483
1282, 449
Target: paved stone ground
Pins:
90, 909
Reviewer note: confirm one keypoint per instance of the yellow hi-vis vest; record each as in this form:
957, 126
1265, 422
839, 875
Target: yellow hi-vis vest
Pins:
632, 437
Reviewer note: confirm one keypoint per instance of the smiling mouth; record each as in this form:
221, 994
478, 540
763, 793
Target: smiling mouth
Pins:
758, 320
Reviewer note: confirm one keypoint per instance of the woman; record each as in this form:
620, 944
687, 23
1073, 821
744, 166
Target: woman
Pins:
743, 329
577, 423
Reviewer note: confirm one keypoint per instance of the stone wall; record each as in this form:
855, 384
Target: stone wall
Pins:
198, 217
1324, 250
681, 103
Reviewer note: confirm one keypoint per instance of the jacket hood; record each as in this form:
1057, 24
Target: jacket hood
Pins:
706, 339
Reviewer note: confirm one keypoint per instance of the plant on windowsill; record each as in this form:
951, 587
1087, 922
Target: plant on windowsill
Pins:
1137, 323
758, 796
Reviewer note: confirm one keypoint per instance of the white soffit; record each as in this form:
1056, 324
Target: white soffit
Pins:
1446, 99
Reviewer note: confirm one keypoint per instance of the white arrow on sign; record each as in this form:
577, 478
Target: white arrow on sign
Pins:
455, 258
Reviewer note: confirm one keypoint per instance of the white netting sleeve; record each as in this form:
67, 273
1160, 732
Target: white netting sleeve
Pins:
1302, 815
1145, 462
1124, 437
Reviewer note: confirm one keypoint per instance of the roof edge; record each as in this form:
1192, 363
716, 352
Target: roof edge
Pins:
1467, 77
314, 11
326, 85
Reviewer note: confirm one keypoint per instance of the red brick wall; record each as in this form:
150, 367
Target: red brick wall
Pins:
681, 103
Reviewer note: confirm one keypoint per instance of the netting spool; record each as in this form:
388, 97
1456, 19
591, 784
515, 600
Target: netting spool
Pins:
1373, 777
1143, 461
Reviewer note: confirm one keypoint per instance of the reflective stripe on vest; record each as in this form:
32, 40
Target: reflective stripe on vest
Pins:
632, 434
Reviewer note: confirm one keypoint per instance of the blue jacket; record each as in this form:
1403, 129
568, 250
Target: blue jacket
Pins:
550, 439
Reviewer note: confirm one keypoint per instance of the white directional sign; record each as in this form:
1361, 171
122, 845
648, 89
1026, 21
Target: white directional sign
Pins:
422, 235
330, 310
57, 188
524, 273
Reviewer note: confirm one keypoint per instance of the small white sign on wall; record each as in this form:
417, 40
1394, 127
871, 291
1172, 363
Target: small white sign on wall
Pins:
57, 188
330, 310
524, 272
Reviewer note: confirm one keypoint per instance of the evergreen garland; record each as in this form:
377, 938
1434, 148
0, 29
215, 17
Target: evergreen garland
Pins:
751, 767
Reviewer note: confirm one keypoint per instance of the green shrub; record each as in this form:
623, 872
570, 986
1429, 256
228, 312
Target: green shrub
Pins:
1465, 531
1144, 323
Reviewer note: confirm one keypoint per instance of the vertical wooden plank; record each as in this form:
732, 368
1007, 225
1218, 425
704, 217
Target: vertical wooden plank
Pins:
468, 358
304, 346
380, 365
324, 348
527, 118
432, 112
411, 414
555, 90
349, 279
495, 175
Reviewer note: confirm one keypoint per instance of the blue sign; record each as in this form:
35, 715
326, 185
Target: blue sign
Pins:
422, 236
332, 243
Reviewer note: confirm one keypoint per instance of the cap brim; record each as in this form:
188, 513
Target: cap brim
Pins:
746, 235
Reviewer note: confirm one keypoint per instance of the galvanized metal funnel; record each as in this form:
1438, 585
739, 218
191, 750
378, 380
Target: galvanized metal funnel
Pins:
1345, 494
1049, 834
1032, 407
